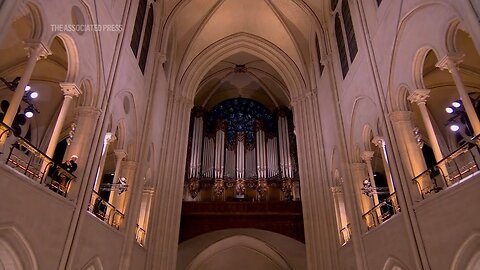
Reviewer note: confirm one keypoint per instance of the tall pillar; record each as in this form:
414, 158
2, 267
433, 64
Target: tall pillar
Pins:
380, 143
108, 139
128, 170
86, 118
420, 97
358, 174
70, 90
450, 62
36, 51
367, 157
120, 154
338, 199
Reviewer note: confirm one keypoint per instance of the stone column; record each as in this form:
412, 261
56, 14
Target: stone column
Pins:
36, 50
120, 154
420, 97
86, 118
338, 199
358, 174
450, 62
380, 143
367, 157
409, 149
128, 171
108, 139
70, 90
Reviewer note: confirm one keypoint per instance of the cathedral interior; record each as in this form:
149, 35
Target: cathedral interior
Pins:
239, 134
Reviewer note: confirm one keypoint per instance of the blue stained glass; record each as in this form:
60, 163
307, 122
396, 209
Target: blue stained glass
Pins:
240, 115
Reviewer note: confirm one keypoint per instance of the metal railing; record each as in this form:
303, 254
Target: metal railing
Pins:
345, 234
105, 211
381, 212
33, 163
140, 234
452, 169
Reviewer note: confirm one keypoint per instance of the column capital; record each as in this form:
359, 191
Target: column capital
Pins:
109, 138
400, 116
161, 57
120, 154
367, 155
336, 189
378, 141
37, 49
70, 89
357, 166
450, 61
419, 96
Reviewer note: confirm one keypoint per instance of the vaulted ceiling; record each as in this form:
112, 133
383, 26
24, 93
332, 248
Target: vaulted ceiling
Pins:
193, 26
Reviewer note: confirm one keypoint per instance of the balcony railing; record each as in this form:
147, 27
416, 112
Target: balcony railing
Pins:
140, 234
105, 211
345, 234
460, 164
29, 160
381, 212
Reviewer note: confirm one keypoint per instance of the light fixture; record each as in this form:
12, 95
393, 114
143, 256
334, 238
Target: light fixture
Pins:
454, 127
33, 95
28, 112
449, 110
456, 104
27, 88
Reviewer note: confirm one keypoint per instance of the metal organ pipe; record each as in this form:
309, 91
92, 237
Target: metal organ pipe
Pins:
196, 148
241, 156
219, 153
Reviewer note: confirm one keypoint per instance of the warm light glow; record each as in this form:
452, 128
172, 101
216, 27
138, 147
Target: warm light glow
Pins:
29, 114
34, 94
454, 127
27, 88
456, 104
449, 110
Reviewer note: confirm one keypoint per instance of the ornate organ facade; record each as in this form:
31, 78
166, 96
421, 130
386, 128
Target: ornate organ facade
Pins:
239, 150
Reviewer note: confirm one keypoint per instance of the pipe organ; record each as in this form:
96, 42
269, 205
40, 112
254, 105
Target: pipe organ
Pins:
239, 150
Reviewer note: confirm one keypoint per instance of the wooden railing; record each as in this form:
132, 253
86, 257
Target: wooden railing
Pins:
381, 212
140, 234
345, 234
105, 211
460, 164
33, 163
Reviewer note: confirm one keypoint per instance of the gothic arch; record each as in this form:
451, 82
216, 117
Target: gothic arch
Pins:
243, 241
15, 251
399, 101
418, 64
468, 256
243, 42
94, 264
87, 98
394, 264
36, 15
72, 55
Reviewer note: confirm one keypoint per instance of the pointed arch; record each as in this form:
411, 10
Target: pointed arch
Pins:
94, 264
73, 60
418, 64
38, 24
248, 43
239, 241
394, 264
468, 256
15, 251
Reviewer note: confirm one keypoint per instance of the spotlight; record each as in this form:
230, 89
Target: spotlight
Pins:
33, 95
454, 127
456, 104
449, 110
28, 112
27, 88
